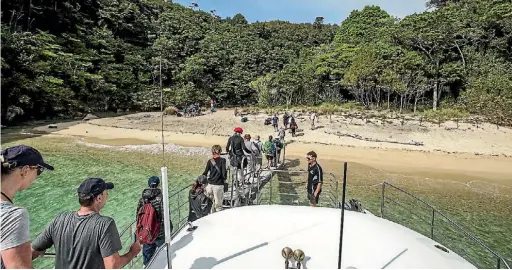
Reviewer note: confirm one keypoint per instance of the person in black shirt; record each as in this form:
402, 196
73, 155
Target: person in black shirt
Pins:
236, 148
216, 167
275, 121
315, 179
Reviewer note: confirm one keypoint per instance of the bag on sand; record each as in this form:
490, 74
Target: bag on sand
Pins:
148, 226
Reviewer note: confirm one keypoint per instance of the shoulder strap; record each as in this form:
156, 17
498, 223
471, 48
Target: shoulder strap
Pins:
215, 164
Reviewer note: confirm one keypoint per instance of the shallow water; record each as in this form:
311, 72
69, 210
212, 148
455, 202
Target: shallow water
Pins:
480, 205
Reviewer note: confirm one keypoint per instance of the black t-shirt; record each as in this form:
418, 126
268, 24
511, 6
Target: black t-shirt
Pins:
236, 145
315, 177
217, 177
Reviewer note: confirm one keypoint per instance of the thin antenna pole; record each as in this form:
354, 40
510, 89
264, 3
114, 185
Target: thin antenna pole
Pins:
342, 212
167, 218
162, 106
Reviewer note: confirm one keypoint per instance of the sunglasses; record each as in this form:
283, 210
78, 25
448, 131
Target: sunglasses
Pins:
39, 168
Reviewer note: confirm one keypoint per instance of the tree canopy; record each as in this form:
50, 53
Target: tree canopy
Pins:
64, 58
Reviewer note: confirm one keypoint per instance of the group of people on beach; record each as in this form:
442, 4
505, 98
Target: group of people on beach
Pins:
87, 239
289, 122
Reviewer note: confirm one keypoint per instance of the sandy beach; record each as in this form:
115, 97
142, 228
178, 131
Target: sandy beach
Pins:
464, 154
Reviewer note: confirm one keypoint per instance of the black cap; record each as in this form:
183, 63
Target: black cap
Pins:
24, 155
91, 187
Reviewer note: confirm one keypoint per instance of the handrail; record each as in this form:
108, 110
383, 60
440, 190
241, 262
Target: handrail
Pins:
326, 187
333, 194
499, 258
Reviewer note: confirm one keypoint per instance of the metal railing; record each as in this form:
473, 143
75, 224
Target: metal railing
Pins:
476, 258
280, 185
268, 194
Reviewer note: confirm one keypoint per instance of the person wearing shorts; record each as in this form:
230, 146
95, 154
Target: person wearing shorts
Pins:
315, 179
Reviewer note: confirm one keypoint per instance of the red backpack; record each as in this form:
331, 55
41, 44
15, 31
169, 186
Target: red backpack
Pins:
148, 226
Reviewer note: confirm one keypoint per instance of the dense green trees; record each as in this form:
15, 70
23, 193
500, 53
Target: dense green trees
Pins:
61, 58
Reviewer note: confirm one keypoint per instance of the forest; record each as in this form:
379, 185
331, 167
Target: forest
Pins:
63, 58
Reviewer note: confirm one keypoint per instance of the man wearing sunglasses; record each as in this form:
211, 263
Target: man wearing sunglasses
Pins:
21, 165
315, 179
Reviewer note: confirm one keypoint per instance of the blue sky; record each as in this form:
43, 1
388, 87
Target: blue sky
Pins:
333, 11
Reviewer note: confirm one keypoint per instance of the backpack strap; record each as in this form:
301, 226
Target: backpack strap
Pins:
212, 161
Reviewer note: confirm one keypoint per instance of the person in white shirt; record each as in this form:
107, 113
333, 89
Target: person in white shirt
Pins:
313, 118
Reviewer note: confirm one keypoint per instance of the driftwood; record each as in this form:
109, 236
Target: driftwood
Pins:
359, 137
90, 117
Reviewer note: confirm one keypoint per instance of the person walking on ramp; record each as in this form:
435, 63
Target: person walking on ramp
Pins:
315, 178
150, 219
216, 169
236, 148
85, 239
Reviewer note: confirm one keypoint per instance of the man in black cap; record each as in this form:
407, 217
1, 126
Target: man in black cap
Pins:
153, 195
21, 165
85, 239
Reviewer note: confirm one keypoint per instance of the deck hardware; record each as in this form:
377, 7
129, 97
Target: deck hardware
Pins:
442, 248
287, 254
299, 256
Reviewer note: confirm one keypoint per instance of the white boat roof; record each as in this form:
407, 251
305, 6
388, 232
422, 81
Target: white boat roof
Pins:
253, 237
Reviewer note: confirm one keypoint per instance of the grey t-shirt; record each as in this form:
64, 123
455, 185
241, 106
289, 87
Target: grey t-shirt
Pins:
15, 226
80, 241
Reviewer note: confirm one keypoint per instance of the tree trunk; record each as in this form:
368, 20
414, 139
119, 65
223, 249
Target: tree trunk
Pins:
389, 96
434, 98
415, 102
401, 102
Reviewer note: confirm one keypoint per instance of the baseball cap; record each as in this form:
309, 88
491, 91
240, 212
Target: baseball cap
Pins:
238, 130
153, 180
24, 155
92, 187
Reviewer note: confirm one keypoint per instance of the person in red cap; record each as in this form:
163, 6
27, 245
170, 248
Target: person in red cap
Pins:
236, 148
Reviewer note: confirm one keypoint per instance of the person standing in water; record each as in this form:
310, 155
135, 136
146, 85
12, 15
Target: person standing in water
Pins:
21, 165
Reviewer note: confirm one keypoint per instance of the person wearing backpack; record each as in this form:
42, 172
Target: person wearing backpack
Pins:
293, 126
216, 169
257, 149
277, 154
236, 148
281, 134
150, 219
269, 150
199, 204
